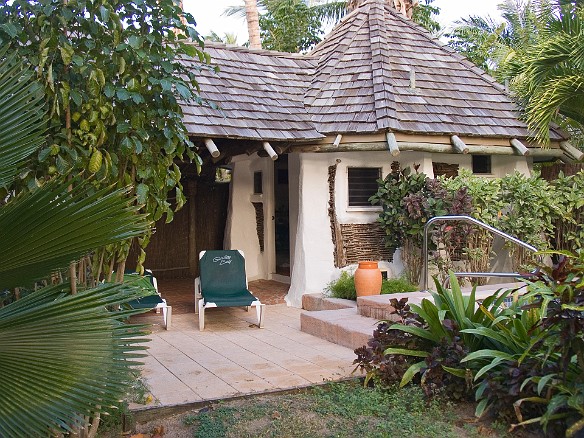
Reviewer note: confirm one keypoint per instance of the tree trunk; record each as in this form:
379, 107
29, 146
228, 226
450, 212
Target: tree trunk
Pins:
253, 23
405, 7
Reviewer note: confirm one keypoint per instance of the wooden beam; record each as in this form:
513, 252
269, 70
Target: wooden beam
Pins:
426, 147
392, 144
519, 147
337, 141
212, 148
271, 152
458, 144
574, 153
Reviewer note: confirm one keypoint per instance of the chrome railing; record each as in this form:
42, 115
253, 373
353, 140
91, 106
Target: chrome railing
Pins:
482, 225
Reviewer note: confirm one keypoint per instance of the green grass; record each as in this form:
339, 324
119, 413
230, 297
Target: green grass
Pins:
344, 286
335, 410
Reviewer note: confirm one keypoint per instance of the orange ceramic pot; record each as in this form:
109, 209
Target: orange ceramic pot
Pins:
368, 279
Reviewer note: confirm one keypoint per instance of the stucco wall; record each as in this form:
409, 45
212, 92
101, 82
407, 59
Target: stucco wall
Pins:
241, 220
311, 245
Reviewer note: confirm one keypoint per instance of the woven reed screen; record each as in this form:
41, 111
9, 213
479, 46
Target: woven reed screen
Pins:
364, 242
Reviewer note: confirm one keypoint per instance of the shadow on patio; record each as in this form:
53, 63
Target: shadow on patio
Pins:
233, 357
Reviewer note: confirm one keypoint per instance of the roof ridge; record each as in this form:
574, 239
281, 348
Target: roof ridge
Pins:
381, 66
251, 51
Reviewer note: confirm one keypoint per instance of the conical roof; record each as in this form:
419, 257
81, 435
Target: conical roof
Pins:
378, 71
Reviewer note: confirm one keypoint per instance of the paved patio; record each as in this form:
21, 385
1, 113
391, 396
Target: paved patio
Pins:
233, 357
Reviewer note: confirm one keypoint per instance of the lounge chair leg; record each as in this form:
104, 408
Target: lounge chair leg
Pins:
201, 315
260, 312
167, 311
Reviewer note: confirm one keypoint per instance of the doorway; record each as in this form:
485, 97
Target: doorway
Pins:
282, 216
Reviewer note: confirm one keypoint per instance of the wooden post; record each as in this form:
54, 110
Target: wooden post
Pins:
392, 144
271, 152
212, 148
459, 145
193, 253
519, 147
572, 151
337, 141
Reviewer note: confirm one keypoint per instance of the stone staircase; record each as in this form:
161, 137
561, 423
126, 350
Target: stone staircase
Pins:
351, 324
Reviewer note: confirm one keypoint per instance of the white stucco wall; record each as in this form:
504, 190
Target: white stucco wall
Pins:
311, 246
313, 262
241, 231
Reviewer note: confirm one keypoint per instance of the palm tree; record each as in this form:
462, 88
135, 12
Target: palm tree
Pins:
63, 357
253, 23
549, 76
490, 44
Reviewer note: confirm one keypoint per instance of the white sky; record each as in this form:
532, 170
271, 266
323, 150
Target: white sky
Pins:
208, 14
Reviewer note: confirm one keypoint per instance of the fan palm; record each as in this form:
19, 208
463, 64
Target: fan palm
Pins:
62, 356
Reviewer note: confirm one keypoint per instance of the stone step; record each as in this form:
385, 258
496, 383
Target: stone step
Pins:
344, 327
318, 301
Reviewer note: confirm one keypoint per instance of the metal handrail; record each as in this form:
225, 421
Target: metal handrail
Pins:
480, 224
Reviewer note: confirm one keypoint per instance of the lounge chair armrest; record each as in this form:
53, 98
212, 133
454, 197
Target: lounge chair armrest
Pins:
198, 294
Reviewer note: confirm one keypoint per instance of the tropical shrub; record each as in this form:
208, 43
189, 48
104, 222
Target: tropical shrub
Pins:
408, 200
543, 377
113, 75
530, 208
344, 286
568, 221
63, 357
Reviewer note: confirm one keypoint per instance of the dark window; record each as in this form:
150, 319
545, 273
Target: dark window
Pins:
481, 164
445, 169
257, 183
362, 185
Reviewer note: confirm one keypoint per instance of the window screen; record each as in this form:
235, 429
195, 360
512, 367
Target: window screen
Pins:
481, 164
362, 185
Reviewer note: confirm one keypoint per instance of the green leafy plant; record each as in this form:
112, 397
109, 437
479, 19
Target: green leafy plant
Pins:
113, 74
543, 375
64, 357
344, 286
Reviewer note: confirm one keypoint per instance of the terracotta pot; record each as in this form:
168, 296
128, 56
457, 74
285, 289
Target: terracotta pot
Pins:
368, 279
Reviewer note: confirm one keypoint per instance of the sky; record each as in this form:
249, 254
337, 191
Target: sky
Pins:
208, 14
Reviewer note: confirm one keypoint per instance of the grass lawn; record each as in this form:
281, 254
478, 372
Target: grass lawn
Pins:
334, 410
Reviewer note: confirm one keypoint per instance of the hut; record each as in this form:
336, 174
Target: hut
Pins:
305, 137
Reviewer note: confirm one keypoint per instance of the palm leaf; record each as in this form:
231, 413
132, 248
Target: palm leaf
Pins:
22, 121
63, 356
52, 226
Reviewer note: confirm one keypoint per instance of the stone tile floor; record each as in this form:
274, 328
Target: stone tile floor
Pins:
233, 357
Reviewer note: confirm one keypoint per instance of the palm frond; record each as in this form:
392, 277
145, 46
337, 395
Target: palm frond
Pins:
64, 356
22, 121
53, 226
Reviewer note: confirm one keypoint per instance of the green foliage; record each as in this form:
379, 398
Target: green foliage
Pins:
569, 218
289, 26
63, 356
112, 75
397, 285
344, 286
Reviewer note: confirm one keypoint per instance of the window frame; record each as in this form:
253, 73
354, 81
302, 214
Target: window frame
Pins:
368, 207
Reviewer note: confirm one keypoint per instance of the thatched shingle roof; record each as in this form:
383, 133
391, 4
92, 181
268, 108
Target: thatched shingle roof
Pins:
358, 80
260, 95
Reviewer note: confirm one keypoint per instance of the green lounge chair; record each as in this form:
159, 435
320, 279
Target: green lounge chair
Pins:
153, 301
223, 283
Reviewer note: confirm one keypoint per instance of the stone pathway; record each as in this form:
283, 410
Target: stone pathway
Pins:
233, 357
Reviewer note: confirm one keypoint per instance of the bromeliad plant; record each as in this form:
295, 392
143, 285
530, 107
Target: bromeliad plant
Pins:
447, 319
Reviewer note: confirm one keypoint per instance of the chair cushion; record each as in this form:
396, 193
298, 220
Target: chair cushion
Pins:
147, 302
223, 280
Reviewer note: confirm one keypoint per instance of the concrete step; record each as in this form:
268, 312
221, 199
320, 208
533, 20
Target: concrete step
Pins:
318, 301
344, 327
